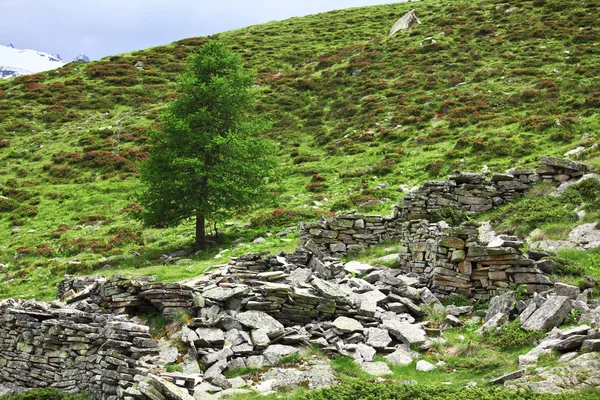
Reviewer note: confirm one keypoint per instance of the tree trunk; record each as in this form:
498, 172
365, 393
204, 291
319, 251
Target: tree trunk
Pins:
200, 232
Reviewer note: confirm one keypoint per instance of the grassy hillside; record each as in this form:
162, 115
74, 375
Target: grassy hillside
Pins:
489, 83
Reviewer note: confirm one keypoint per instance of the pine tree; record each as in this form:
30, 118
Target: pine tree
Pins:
206, 160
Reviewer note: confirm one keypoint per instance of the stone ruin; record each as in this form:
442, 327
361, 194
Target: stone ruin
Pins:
451, 260
260, 308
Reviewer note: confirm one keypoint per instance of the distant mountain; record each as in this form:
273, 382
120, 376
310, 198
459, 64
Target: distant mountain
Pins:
15, 62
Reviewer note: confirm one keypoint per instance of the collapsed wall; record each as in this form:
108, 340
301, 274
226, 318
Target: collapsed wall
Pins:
448, 260
50, 345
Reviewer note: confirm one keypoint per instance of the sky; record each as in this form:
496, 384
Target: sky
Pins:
99, 28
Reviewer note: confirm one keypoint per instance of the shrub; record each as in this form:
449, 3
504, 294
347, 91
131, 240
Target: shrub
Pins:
453, 215
45, 394
512, 337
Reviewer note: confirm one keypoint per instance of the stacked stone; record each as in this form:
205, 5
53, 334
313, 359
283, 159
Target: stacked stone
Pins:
560, 170
71, 350
471, 192
168, 298
350, 232
253, 321
452, 260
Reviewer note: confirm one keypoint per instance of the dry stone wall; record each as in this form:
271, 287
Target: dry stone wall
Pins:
43, 345
448, 260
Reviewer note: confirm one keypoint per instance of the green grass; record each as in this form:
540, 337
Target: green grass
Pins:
489, 92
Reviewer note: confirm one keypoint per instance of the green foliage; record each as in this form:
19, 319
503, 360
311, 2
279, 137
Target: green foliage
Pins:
291, 359
567, 267
453, 215
46, 394
174, 368
457, 300
206, 161
283, 218
386, 391
512, 337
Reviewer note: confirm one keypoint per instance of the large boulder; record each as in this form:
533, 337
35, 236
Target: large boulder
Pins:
259, 320
407, 21
500, 304
549, 315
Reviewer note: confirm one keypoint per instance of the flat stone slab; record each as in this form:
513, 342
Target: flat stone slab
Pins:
405, 332
508, 377
549, 315
259, 320
376, 368
358, 268
347, 325
399, 357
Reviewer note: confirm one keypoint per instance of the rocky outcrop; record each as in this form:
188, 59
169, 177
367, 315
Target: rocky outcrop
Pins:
407, 21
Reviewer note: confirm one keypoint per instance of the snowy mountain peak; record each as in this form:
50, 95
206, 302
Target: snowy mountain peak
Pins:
15, 62
81, 58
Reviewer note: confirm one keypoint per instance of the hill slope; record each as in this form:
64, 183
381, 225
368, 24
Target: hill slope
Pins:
478, 85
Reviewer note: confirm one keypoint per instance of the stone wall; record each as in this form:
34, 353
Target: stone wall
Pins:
471, 192
453, 260
44, 345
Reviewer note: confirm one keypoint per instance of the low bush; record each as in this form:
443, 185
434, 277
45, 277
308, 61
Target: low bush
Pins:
45, 394
387, 391
512, 337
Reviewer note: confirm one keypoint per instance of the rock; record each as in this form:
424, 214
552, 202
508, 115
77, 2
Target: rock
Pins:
500, 304
493, 323
275, 352
586, 236
377, 368
358, 268
210, 337
330, 290
377, 338
508, 377
570, 291
364, 353
563, 163
168, 353
590, 345
170, 390
549, 315
399, 357
407, 21
259, 240
405, 332
223, 294
451, 320
260, 338
347, 325
589, 282
424, 366
259, 320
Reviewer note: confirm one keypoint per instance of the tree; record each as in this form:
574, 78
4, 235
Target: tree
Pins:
206, 161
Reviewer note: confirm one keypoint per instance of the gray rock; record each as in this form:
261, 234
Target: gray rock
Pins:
168, 353
377, 368
451, 320
425, 366
493, 323
399, 357
211, 337
500, 304
260, 320
364, 352
330, 290
404, 331
549, 315
260, 338
570, 291
347, 325
223, 294
508, 377
378, 338
358, 268
275, 352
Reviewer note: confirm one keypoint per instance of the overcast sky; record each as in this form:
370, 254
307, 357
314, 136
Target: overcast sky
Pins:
100, 28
